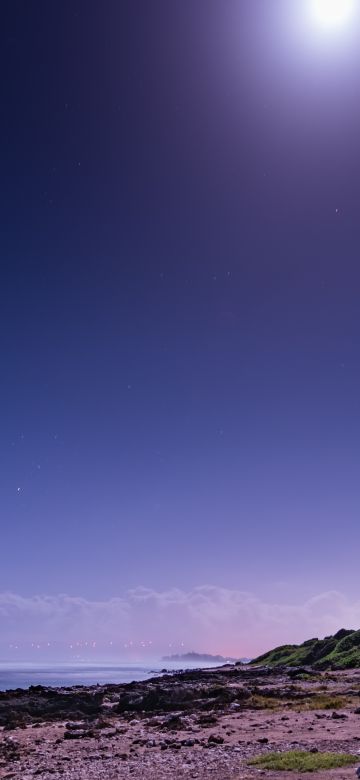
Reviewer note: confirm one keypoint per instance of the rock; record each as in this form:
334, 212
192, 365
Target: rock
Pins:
83, 734
338, 716
108, 733
174, 723
299, 671
103, 723
214, 739
73, 734
263, 740
9, 750
48, 704
207, 720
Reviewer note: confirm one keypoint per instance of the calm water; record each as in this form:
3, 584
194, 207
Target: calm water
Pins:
22, 676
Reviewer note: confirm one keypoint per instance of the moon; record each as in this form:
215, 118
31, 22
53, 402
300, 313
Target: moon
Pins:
333, 13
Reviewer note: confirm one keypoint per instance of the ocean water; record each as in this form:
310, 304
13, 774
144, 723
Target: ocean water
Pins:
63, 675
22, 676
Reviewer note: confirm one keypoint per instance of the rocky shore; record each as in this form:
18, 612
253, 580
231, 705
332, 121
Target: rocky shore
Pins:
196, 724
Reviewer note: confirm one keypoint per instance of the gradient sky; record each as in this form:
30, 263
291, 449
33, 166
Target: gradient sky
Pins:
179, 313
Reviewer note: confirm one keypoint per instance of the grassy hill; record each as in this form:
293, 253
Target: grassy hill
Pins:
341, 651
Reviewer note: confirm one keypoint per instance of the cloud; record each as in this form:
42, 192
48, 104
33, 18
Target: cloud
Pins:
206, 618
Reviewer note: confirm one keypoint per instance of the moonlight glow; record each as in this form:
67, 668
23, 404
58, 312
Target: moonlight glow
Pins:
333, 13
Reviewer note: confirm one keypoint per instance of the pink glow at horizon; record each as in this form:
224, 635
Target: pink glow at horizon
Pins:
205, 620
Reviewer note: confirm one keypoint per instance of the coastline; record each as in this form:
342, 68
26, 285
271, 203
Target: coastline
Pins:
204, 723
23, 674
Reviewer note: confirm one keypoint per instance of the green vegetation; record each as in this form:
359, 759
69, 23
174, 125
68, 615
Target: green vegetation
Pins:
259, 702
316, 701
297, 761
341, 651
323, 702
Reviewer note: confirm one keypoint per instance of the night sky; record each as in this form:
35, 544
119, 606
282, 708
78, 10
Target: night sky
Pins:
179, 315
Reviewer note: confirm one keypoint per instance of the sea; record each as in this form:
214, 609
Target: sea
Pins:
65, 675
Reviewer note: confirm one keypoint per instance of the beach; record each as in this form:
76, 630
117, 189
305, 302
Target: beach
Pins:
205, 724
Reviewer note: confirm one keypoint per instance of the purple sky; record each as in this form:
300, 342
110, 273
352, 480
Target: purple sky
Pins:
179, 306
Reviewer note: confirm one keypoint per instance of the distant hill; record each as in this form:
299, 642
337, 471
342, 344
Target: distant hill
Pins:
201, 658
341, 651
